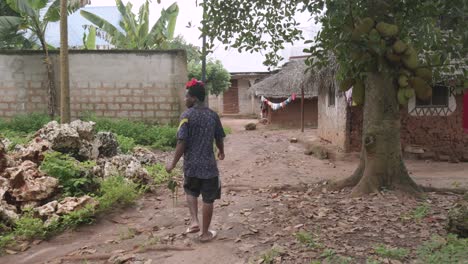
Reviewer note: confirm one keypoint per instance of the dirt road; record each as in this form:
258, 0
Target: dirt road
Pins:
264, 176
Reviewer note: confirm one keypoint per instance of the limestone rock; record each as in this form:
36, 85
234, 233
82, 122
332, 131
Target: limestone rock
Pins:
27, 183
126, 165
47, 209
85, 130
34, 151
106, 143
8, 212
458, 218
71, 204
147, 157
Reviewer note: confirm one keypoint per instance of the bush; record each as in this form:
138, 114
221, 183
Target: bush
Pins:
16, 138
159, 137
393, 253
29, 227
74, 176
126, 144
25, 123
443, 250
159, 174
117, 190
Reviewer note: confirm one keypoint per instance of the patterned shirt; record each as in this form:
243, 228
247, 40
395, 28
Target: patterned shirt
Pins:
199, 127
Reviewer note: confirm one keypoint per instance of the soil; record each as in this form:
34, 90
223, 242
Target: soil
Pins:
271, 191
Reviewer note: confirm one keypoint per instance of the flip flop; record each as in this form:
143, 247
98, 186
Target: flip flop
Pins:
193, 229
213, 236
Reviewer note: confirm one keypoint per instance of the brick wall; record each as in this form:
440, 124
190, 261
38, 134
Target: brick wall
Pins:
442, 135
145, 85
290, 116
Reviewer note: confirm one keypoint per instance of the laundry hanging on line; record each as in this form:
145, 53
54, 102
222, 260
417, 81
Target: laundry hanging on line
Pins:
276, 106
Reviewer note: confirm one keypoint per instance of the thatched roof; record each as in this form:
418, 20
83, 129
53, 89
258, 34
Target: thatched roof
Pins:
289, 80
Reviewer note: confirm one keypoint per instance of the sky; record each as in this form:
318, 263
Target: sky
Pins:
231, 59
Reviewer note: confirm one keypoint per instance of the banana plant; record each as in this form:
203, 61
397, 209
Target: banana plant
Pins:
89, 40
136, 33
34, 17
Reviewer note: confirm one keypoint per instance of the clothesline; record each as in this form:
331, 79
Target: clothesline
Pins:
276, 106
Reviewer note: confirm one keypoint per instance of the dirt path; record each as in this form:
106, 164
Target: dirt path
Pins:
260, 166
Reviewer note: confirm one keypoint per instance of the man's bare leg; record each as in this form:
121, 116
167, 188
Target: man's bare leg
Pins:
207, 215
192, 203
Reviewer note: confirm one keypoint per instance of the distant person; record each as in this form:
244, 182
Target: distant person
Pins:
199, 127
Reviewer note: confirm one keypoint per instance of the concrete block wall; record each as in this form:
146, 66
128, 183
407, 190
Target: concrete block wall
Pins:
141, 85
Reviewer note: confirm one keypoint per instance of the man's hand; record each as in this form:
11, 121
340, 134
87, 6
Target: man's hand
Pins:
169, 167
221, 155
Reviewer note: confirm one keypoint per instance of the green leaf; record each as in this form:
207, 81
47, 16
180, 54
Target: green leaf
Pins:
8, 23
112, 33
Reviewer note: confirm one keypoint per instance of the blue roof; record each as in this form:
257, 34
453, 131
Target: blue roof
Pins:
76, 23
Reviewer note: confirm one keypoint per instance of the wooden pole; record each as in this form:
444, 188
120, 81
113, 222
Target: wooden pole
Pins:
64, 68
302, 108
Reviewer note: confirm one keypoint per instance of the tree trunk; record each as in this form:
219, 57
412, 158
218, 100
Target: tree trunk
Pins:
65, 116
381, 165
50, 79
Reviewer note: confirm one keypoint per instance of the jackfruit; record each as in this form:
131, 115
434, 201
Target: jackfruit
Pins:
387, 30
402, 99
374, 36
392, 57
358, 92
409, 93
345, 85
424, 73
421, 88
399, 47
403, 81
410, 60
361, 28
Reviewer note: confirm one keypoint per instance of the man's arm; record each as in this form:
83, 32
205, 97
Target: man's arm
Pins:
179, 151
220, 146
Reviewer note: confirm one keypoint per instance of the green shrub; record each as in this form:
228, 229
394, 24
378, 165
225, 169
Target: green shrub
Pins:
16, 138
393, 253
5, 241
25, 123
159, 137
444, 250
29, 227
307, 239
227, 130
126, 144
117, 190
74, 176
159, 174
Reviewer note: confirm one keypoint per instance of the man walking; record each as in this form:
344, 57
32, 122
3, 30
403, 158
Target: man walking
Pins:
199, 127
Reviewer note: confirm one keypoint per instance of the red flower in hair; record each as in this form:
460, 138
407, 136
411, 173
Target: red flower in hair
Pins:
191, 83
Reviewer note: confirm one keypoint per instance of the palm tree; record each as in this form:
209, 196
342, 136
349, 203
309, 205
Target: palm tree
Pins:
136, 32
34, 17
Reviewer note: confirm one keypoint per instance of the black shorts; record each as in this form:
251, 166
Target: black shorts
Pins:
210, 189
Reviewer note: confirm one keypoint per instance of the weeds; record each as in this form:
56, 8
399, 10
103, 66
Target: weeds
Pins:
269, 256
443, 250
126, 144
393, 253
25, 124
74, 176
129, 233
307, 239
29, 227
117, 190
418, 213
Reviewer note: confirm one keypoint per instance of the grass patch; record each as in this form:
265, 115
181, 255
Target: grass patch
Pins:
269, 256
156, 136
418, 213
159, 174
393, 253
25, 124
117, 191
227, 130
307, 239
444, 250
74, 176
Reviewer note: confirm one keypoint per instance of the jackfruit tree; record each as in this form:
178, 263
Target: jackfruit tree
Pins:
387, 50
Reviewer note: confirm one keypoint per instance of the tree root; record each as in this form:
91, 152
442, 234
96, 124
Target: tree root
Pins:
443, 190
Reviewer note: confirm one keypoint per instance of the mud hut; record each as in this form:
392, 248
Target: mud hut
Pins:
279, 87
